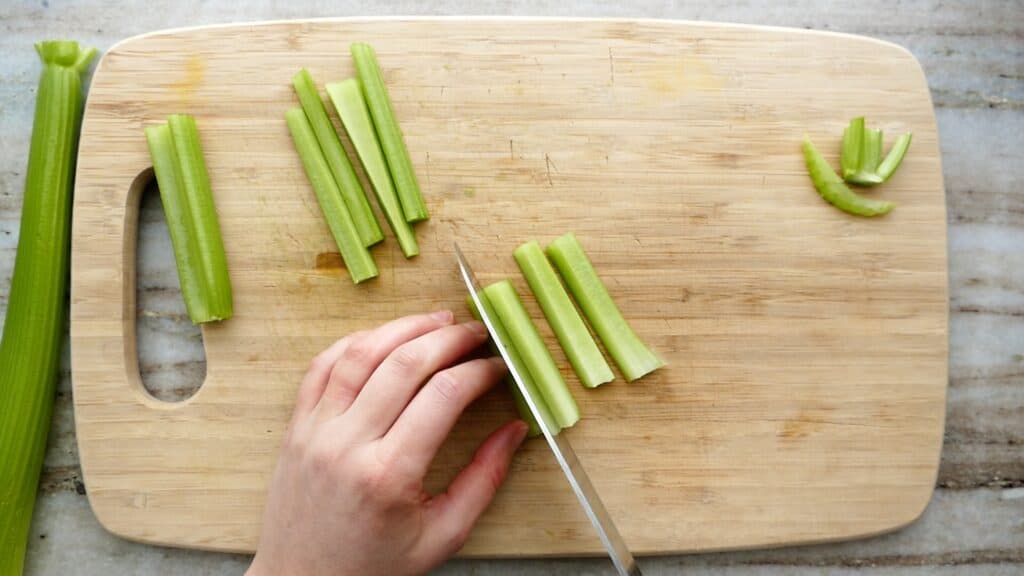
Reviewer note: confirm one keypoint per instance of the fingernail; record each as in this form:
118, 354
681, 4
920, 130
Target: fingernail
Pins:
520, 433
498, 361
442, 316
477, 328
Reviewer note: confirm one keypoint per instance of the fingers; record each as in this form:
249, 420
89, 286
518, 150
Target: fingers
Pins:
451, 515
423, 426
362, 355
401, 374
315, 380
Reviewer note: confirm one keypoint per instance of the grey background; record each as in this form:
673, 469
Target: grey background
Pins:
973, 55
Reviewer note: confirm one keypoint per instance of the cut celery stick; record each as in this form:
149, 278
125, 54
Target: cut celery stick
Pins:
195, 183
348, 101
831, 187
572, 333
527, 341
357, 257
853, 143
36, 309
632, 357
894, 157
389, 133
521, 369
344, 176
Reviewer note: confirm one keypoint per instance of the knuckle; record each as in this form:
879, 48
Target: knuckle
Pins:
446, 386
406, 359
359, 351
457, 538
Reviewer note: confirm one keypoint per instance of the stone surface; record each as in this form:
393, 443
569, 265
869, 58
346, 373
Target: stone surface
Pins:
973, 55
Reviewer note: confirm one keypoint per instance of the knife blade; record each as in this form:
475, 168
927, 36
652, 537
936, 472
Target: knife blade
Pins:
581, 485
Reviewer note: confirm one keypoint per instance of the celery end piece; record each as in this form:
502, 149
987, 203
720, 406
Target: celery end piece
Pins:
527, 341
389, 133
573, 335
853, 138
347, 98
33, 328
334, 153
357, 257
831, 187
894, 158
524, 374
630, 354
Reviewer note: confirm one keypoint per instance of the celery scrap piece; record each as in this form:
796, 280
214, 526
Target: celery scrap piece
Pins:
894, 158
33, 330
344, 175
861, 158
388, 132
630, 354
528, 342
579, 346
357, 257
347, 98
833, 190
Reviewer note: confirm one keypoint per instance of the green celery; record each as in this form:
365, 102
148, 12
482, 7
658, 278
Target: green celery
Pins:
357, 257
348, 101
388, 132
633, 358
337, 160
572, 333
861, 159
36, 308
894, 157
853, 138
521, 369
528, 342
833, 190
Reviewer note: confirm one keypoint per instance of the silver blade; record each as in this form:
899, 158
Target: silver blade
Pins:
578, 479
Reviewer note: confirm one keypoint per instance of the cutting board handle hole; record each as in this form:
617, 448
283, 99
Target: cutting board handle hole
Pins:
168, 349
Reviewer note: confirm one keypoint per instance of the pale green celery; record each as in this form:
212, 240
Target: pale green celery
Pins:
388, 132
633, 358
579, 346
833, 190
347, 98
853, 138
195, 181
356, 255
528, 342
344, 175
521, 369
894, 157
36, 307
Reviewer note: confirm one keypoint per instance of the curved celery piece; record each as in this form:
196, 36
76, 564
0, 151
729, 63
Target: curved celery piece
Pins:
357, 257
539, 363
894, 158
334, 153
631, 355
579, 346
347, 98
37, 303
833, 190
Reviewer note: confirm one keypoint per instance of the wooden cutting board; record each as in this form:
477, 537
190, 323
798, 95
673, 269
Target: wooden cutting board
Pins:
807, 349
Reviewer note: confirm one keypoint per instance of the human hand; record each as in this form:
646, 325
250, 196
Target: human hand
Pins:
347, 496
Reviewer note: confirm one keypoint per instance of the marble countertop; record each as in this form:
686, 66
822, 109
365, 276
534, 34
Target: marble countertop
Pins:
973, 55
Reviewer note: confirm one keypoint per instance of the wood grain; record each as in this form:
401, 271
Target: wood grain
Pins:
804, 400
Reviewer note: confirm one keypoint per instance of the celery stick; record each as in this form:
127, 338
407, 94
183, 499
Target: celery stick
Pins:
831, 187
195, 182
36, 308
853, 138
388, 132
894, 158
345, 177
521, 369
348, 102
357, 257
572, 333
633, 358
539, 363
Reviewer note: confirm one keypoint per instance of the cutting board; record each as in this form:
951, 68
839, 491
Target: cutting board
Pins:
804, 395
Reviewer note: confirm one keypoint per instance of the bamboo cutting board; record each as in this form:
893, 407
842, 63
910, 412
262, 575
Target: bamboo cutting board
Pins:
807, 349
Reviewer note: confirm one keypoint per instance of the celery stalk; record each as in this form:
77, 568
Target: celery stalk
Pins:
853, 138
348, 101
539, 363
831, 187
572, 333
521, 369
357, 257
861, 160
632, 357
344, 175
388, 132
894, 157
34, 326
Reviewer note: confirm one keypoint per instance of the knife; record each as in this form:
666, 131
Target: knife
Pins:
564, 454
